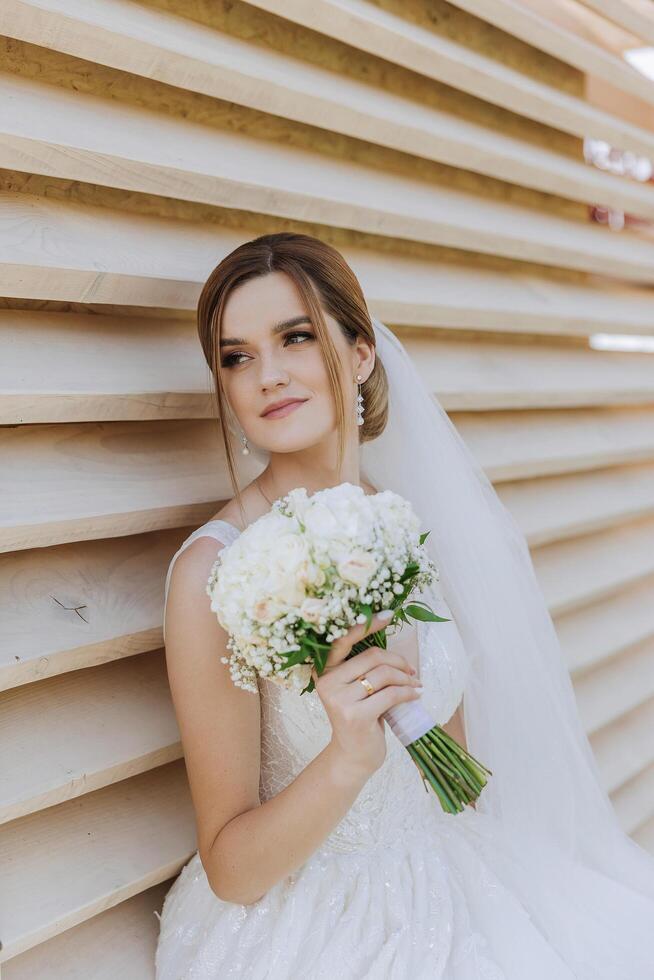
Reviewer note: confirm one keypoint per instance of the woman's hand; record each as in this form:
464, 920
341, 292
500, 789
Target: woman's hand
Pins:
357, 728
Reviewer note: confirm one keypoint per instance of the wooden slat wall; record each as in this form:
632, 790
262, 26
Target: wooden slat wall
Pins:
141, 142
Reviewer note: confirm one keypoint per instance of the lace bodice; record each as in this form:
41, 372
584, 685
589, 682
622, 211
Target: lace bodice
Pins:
295, 728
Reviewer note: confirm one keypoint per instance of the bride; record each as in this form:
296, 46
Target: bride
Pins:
320, 851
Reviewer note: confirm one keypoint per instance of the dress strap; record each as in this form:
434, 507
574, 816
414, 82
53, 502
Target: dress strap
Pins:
221, 531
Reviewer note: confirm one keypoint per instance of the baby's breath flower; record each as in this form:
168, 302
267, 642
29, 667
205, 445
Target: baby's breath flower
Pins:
326, 554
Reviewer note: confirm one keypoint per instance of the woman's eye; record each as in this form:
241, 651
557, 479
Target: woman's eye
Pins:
298, 333
231, 359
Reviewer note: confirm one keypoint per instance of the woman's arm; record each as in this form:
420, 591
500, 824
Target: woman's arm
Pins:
245, 846
454, 727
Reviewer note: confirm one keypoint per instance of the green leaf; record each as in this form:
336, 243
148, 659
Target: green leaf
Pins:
412, 569
367, 609
425, 615
293, 657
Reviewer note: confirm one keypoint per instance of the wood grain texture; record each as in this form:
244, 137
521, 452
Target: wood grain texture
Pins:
633, 15
536, 28
63, 865
439, 148
62, 367
117, 943
154, 44
365, 25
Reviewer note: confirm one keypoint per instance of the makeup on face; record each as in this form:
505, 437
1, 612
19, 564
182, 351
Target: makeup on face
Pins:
283, 410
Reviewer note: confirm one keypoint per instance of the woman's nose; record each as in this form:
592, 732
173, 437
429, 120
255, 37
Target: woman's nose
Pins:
272, 373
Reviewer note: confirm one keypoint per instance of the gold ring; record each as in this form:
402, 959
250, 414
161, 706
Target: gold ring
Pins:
368, 686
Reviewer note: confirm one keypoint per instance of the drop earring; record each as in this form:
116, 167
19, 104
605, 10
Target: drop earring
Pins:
245, 450
359, 402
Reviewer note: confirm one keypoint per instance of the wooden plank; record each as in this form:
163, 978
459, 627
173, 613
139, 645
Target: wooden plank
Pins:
415, 293
117, 584
644, 836
603, 629
110, 479
283, 182
557, 508
541, 32
177, 51
163, 263
76, 482
511, 445
68, 863
79, 482
633, 15
389, 36
142, 368
634, 801
63, 367
96, 255
481, 375
72, 734
133, 148
120, 942
592, 566
625, 747
82, 604
616, 686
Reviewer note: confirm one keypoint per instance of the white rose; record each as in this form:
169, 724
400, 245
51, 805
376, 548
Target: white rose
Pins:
357, 567
315, 575
267, 611
312, 609
288, 571
320, 521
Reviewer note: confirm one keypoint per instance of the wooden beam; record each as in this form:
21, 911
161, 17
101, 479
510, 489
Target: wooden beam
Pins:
174, 50
387, 35
69, 735
68, 863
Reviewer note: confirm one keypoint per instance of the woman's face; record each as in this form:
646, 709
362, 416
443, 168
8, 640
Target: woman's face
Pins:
268, 353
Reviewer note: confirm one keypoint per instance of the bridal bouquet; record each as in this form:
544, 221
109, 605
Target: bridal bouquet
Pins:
301, 575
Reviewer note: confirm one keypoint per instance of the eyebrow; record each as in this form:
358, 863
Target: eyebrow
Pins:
278, 327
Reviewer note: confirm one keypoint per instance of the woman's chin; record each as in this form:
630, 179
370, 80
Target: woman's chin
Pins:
294, 438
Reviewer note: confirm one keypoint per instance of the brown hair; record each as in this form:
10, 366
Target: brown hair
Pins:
323, 278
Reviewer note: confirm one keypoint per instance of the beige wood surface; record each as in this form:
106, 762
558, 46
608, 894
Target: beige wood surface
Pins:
154, 44
63, 865
536, 28
439, 147
634, 15
117, 943
590, 567
363, 24
561, 507
69, 735
144, 368
82, 604
30, 267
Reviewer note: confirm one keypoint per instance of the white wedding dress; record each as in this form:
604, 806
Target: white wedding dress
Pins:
400, 890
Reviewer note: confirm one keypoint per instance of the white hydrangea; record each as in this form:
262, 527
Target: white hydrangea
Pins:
308, 565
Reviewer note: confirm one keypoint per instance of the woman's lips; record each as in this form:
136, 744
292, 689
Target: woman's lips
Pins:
277, 413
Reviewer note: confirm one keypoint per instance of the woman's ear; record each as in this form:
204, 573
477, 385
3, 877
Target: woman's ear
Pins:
365, 358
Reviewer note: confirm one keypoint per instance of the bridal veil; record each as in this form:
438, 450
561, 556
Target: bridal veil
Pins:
521, 717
